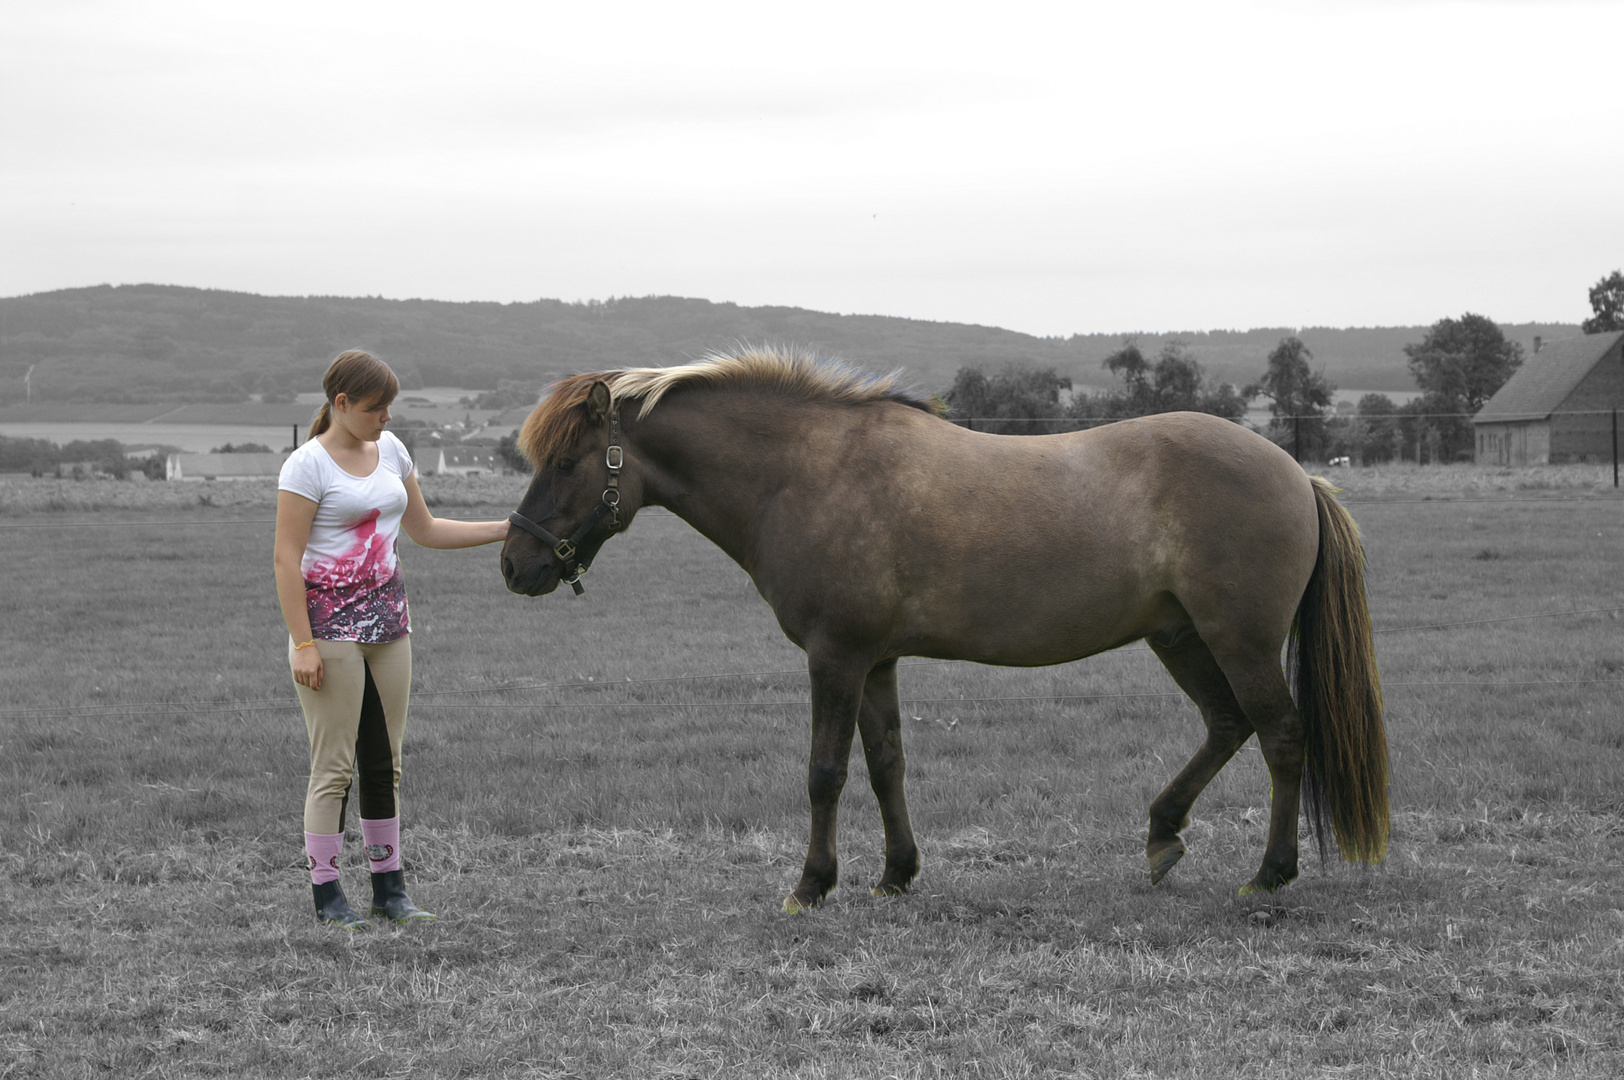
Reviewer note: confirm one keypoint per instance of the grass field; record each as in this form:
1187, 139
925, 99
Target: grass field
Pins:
606, 828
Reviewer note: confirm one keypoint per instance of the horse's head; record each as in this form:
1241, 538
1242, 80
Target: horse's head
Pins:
575, 501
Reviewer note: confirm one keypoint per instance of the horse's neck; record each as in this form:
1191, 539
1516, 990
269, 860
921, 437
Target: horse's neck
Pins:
715, 459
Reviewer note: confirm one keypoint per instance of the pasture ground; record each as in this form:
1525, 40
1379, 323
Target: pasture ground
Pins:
607, 830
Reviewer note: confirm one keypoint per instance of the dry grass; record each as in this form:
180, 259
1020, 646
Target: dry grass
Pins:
1408, 480
608, 857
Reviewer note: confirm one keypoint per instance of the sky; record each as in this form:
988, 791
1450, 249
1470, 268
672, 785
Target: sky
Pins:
1052, 168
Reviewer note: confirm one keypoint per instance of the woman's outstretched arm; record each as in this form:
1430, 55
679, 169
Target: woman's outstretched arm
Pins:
428, 531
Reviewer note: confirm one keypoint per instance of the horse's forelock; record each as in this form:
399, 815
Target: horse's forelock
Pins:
558, 421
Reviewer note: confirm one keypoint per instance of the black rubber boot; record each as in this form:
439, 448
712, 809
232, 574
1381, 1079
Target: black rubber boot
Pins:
332, 908
389, 899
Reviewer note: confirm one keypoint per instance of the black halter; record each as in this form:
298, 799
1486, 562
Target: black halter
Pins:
609, 507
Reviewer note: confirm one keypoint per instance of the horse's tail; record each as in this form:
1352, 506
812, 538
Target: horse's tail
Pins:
1332, 661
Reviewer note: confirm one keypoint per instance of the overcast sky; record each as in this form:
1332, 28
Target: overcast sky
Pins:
1052, 168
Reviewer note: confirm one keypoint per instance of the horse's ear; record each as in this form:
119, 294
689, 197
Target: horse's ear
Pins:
597, 403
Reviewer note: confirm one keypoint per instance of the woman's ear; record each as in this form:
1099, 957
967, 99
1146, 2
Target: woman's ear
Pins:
341, 401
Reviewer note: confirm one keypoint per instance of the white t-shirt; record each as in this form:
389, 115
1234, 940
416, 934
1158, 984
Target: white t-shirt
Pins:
353, 587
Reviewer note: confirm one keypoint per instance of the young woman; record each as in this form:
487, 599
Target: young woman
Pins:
344, 498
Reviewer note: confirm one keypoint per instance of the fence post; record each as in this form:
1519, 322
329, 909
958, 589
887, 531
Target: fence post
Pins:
1297, 438
296, 436
1615, 448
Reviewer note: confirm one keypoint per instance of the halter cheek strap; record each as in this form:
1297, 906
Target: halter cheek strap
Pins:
565, 551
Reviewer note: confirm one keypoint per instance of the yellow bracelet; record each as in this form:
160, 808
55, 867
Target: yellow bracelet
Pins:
302, 645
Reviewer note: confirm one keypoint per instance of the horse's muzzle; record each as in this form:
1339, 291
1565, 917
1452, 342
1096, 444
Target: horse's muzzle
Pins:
536, 577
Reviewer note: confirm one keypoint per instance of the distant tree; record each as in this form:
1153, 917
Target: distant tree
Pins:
1174, 383
1607, 301
1376, 431
28, 455
242, 448
507, 448
505, 396
1463, 361
1181, 384
105, 454
1458, 366
1418, 438
1018, 401
1138, 395
1298, 397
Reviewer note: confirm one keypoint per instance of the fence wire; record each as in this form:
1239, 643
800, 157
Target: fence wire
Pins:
245, 705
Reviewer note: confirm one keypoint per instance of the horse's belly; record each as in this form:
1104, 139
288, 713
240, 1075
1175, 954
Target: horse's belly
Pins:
1020, 628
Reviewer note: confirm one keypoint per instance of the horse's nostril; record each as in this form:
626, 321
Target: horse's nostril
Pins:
507, 567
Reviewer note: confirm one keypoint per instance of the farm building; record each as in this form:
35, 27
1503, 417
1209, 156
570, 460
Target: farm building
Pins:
1558, 406
463, 461
222, 466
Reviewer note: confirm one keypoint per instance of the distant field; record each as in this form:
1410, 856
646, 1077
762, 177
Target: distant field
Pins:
198, 428
606, 825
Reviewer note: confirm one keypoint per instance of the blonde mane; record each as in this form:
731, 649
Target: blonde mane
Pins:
559, 420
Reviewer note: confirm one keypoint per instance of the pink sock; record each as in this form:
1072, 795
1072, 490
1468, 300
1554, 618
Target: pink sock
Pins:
322, 851
382, 836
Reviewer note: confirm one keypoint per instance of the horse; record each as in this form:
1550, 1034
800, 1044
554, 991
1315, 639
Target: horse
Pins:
876, 529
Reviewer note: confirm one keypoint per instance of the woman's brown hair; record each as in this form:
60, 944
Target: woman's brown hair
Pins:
360, 376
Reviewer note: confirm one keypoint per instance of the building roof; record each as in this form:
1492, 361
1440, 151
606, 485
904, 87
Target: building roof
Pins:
1545, 379
461, 457
230, 464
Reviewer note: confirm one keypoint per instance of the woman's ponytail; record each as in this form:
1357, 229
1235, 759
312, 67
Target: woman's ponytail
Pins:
324, 419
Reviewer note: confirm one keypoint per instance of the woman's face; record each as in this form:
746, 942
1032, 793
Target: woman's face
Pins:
365, 419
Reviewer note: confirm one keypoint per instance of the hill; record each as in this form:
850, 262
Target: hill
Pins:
157, 343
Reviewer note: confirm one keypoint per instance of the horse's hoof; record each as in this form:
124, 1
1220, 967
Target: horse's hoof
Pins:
882, 889
1264, 883
794, 906
1163, 861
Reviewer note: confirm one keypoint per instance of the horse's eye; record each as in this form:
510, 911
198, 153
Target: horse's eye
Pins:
565, 466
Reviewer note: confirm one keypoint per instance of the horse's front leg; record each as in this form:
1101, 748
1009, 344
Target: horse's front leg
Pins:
880, 721
837, 689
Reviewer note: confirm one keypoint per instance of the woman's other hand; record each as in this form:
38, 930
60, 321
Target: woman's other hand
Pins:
307, 667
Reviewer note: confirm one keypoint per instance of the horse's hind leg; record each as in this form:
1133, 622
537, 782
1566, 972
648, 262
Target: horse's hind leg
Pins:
1192, 666
880, 722
1260, 687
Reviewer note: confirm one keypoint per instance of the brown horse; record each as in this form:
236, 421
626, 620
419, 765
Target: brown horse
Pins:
875, 530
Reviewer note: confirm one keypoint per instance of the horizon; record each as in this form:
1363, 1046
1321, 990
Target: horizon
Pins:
1052, 170
1296, 329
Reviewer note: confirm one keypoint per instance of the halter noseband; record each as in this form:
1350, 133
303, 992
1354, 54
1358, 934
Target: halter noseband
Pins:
609, 507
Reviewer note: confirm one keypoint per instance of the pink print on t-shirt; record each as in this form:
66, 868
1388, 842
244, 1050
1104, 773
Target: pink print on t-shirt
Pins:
359, 595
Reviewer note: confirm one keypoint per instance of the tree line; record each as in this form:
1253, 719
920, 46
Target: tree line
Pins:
75, 460
82, 458
1457, 366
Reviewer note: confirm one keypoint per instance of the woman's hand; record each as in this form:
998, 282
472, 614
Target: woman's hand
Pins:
307, 667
